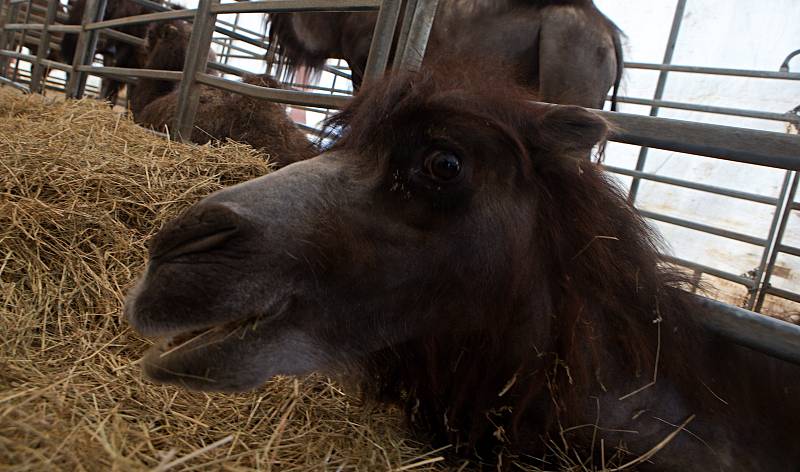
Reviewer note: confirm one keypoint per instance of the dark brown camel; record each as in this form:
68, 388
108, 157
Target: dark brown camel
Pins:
455, 253
115, 53
221, 115
566, 50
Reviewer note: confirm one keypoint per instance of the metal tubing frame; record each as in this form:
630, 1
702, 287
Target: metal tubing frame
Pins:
44, 47
122, 72
5, 10
762, 333
227, 69
157, 7
262, 6
783, 205
228, 56
21, 39
772, 241
141, 19
337, 72
227, 43
785, 64
291, 97
785, 294
124, 37
672, 40
765, 286
196, 60
382, 37
761, 115
56, 65
405, 26
30, 58
17, 55
15, 85
744, 73
7, 38
65, 28
704, 269
84, 49
724, 233
331, 90
418, 34
791, 250
239, 28
725, 192
764, 148
24, 26
278, 6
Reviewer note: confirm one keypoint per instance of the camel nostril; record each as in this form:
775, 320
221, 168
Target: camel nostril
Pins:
202, 229
199, 244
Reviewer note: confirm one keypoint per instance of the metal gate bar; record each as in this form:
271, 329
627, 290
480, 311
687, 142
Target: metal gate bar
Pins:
756, 74
672, 40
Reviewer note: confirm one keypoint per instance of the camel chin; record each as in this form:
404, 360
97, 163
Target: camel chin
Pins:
204, 359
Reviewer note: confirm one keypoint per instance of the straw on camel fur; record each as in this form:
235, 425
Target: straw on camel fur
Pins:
81, 191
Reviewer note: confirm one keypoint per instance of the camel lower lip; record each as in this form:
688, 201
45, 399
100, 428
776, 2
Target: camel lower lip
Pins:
174, 342
214, 334
210, 335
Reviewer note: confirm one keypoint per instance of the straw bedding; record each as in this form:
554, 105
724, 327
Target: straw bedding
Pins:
81, 191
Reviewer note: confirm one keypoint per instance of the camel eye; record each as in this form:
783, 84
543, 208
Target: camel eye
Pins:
443, 166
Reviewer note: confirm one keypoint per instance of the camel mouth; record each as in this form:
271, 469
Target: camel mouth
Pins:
203, 337
197, 339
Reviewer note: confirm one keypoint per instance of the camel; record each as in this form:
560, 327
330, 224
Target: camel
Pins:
565, 50
453, 252
221, 114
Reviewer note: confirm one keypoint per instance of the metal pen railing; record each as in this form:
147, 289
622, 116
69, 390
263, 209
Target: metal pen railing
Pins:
758, 284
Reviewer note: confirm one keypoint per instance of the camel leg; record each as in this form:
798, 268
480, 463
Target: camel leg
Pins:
577, 59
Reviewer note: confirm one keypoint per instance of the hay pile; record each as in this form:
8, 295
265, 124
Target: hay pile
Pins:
81, 190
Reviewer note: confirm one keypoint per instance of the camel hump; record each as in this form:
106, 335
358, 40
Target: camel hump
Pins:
578, 56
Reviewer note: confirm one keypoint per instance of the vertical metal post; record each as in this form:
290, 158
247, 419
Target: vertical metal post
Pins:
85, 47
772, 240
329, 111
382, 37
418, 34
405, 26
38, 72
196, 61
8, 41
5, 15
22, 39
786, 210
228, 48
680, 7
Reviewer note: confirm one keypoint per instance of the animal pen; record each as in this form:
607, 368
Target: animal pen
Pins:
26, 23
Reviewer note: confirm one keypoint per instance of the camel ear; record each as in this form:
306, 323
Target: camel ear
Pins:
572, 129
